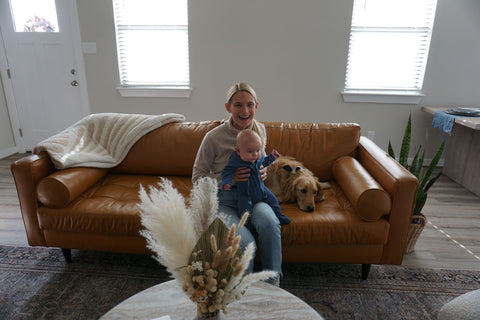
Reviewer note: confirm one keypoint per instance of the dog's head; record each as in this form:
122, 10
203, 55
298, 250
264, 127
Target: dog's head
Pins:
305, 188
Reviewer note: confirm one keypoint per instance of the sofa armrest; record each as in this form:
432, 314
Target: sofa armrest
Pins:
27, 172
370, 200
61, 187
402, 187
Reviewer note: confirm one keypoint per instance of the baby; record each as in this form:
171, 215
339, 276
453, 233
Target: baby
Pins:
248, 153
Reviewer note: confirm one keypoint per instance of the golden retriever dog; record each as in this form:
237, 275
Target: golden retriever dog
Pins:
290, 181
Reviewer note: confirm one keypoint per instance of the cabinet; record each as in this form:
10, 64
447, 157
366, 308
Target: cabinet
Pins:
462, 158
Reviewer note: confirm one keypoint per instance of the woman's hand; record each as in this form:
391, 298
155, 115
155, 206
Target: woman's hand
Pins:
263, 173
241, 174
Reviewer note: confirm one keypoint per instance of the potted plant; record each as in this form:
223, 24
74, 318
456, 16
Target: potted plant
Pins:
425, 180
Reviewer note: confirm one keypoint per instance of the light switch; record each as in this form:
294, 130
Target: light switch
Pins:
89, 47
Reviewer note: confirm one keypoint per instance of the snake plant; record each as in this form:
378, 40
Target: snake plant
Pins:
425, 179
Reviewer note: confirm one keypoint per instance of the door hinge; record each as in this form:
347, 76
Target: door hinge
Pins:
9, 74
20, 131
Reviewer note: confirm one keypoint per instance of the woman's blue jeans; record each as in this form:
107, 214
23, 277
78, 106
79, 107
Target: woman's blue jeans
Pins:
263, 223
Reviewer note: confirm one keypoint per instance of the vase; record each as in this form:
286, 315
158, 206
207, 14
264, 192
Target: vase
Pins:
208, 316
415, 231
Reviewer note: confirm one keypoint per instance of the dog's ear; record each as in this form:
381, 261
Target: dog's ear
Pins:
287, 168
289, 192
319, 196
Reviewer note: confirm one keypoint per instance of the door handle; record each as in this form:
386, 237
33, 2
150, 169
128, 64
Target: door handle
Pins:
74, 83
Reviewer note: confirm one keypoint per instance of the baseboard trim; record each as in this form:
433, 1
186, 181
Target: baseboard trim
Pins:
8, 152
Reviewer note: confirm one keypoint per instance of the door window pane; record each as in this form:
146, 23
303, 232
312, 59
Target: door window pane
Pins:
34, 15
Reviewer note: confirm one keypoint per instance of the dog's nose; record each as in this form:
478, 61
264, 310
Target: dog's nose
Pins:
310, 208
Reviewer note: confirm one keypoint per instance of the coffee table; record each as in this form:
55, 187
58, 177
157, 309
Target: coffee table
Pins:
261, 301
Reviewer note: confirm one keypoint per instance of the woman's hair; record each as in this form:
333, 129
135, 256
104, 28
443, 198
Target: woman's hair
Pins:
243, 86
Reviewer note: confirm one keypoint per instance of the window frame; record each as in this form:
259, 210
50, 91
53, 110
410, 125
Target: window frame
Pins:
383, 95
155, 90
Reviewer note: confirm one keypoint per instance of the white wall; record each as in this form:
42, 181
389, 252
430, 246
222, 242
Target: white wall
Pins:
453, 70
294, 54
7, 142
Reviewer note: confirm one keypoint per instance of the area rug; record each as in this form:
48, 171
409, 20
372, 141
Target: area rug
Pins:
36, 283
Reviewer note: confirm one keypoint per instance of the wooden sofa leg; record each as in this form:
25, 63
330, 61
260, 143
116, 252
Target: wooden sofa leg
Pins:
67, 254
365, 270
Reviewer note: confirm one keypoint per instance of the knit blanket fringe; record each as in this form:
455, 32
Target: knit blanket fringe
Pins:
101, 140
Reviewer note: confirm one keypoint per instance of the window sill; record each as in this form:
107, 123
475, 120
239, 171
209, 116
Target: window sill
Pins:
382, 96
162, 92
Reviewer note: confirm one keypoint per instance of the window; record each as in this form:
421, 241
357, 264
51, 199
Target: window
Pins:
34, 15
152, 47
389, 43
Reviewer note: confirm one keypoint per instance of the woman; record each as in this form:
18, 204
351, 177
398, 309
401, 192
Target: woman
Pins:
212, 157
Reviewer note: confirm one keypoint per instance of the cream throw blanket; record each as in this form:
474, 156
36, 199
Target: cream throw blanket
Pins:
101, 140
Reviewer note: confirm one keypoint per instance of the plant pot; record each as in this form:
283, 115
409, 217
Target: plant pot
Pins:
416, 227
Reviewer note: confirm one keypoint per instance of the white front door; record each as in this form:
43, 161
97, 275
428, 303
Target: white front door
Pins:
47, 74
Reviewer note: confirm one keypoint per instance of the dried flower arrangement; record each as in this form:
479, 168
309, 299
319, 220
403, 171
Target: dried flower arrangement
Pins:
200, 252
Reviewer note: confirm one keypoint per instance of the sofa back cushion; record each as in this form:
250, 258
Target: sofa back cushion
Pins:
316, 145
171, 149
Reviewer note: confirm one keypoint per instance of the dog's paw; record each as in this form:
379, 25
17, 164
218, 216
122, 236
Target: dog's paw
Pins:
325, 185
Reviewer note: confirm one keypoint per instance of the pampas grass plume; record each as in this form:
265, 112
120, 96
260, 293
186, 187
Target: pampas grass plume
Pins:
203, 203
243, 220
168, 227
213, 242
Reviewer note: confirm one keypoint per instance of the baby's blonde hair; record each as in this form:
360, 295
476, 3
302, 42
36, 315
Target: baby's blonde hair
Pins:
247, 134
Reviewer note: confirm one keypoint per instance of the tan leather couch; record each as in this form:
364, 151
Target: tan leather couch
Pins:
364, 219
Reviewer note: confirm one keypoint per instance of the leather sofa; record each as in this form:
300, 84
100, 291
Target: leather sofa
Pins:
364, 219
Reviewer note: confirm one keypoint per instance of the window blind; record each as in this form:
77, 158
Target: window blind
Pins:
389, 43
152, 42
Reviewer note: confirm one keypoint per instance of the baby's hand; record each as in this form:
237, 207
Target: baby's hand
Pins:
226, 187
263, 173
275, 153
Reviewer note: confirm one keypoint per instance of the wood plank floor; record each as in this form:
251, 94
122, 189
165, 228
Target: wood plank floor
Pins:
450, 240
12, 230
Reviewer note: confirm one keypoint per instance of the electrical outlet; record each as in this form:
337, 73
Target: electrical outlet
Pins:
371, 135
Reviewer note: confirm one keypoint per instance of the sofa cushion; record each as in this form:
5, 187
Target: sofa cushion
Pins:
369, 199
109, 206
168, 151
334, 222
316, 145
61, 187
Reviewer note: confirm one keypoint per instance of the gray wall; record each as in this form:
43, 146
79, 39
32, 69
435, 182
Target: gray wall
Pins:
294, 54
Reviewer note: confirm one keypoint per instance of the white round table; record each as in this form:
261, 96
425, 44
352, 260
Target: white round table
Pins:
261, 301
